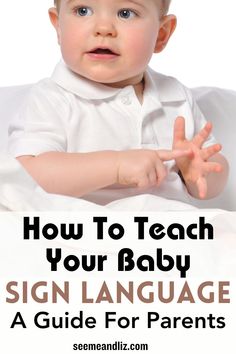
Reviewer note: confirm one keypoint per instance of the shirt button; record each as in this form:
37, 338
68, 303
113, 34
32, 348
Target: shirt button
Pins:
126, 100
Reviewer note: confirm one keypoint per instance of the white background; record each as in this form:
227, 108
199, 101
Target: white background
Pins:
201, 52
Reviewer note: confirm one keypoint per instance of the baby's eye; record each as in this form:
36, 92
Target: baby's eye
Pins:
126, 14
84, 11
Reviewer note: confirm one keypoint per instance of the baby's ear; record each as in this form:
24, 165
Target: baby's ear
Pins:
167, 27
53, 15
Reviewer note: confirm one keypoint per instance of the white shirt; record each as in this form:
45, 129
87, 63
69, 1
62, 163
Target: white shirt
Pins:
70, 113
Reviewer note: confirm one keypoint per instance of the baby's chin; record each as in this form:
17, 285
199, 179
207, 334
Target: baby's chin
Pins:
104, 77
116, 82
109, 81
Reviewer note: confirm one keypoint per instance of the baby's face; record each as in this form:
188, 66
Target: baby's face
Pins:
108, 41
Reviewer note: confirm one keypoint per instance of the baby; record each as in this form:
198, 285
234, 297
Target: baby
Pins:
105, 126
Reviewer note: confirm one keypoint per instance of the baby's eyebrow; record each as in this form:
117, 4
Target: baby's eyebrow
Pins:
70, 1
136, 2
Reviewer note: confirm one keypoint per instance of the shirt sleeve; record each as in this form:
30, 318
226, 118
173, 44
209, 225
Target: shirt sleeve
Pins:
39, 125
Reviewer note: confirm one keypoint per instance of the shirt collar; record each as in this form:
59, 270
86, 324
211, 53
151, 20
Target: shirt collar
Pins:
158, 87
163, 88
79, 85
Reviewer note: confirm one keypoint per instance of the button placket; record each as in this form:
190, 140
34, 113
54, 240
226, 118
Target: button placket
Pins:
131, 108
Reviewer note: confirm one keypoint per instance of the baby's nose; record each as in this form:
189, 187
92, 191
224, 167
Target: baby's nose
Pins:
105, 27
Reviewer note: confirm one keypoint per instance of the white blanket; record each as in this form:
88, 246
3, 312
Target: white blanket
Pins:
19, 192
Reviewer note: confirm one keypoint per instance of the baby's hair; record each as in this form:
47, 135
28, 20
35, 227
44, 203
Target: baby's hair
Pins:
57, 3
165, 4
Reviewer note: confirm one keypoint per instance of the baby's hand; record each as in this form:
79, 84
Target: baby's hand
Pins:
145, 168
195, 167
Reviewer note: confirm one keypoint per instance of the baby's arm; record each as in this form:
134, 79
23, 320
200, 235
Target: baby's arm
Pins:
205, 172
76, 174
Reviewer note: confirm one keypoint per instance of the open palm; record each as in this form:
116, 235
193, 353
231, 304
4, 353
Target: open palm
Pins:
196, 166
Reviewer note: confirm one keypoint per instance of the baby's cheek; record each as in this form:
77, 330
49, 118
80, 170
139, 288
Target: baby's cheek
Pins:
141, 48
69, 49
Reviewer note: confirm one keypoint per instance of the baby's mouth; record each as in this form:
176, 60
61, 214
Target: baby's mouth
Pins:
103, 51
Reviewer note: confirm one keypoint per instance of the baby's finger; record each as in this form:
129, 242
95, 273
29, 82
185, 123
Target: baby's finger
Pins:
161, 172
179, 130
212, 167
152, 178
210, 151
143, 183
202, 187
200, 138
167, 155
